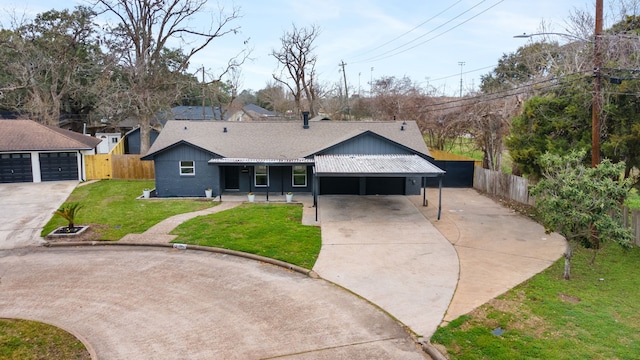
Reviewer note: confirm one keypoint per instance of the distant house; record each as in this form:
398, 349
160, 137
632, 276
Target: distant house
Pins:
109, 141
31, 152
325, 157
196, 113
132, 140
253, 112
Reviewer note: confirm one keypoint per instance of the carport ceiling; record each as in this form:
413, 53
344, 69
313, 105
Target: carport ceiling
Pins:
375, 165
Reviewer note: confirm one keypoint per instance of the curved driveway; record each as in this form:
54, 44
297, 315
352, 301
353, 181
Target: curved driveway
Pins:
150, 303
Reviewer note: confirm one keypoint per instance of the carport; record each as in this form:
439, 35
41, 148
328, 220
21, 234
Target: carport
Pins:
385, 170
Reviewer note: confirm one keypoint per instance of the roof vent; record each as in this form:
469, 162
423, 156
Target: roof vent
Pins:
185, 128
224, 129
402, 128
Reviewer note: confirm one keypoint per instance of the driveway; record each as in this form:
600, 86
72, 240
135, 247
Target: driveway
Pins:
26, 207
152, 303
383, 249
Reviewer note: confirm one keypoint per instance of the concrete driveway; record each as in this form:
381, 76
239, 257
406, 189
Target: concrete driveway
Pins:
26, 207
152, 303
384, 249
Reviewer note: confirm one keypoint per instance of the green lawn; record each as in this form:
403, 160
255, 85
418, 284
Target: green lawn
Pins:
270, 230
596, 315
22, 340
110, 207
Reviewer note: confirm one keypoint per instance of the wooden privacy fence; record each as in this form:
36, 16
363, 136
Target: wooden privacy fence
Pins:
503, 185
118, 165
517, 189
110, 166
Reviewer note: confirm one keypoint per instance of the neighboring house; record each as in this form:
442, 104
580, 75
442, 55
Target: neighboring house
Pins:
325, 157
196, 113
109, 141
31, 152
132, 140
253, 112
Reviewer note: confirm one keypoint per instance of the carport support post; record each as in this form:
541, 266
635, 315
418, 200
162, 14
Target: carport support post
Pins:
424, 191
439, 196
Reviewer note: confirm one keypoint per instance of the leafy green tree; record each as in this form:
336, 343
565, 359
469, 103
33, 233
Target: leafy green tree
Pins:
526, 64
49, 62
556, 122
581, 203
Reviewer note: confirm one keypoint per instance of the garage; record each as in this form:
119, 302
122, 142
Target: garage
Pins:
15, 167
362, 185
59, 166
32, 152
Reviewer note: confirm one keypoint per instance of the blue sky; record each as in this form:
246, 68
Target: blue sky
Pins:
378, 34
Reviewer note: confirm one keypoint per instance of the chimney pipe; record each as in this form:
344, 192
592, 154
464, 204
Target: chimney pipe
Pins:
305, 117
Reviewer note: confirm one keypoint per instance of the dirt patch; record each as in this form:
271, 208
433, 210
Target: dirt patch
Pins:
520, 318
569, 298
93, 233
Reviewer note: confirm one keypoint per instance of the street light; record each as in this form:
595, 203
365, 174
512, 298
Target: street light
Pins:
596, 103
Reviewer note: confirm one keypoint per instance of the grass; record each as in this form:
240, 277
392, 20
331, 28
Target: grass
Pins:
467, 147
110, 207
596, 315
270, 230
633, 200
22, 339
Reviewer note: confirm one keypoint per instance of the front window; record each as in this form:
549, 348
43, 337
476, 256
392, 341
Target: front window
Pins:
299, 176
261, 175
187, 168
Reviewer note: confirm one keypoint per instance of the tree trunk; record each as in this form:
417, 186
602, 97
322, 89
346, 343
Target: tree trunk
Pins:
145, 135
567, 261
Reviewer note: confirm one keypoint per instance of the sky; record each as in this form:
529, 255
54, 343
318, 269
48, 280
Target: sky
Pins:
434, 43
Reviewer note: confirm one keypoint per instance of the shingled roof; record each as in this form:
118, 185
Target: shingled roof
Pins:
280, 140
28, 135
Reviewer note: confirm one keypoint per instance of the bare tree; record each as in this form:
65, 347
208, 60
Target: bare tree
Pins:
274, 97
298, 62
142, 39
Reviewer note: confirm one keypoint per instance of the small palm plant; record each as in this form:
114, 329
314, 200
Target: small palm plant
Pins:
69, 211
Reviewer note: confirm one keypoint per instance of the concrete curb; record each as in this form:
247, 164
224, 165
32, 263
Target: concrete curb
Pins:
432, 351
282, 264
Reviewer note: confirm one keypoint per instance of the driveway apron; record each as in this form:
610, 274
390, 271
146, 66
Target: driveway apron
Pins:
383, 249
151, 303
26, 207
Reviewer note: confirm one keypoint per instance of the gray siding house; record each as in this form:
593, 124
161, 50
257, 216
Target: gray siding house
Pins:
327, 157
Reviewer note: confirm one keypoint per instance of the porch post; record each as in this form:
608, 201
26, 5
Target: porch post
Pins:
268, 183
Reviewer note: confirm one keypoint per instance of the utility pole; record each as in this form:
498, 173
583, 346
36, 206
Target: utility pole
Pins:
462, 64
371, 84
596, 109
346, 90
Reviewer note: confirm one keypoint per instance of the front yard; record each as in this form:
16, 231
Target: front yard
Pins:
595, 315
111, 209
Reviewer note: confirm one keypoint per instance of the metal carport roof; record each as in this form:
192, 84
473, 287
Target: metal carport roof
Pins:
377, 165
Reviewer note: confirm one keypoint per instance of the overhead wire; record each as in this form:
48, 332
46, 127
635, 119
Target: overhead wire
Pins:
381, 57
523, 89
390, 53
412, 30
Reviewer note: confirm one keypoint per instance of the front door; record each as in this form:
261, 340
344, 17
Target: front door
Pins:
232, 178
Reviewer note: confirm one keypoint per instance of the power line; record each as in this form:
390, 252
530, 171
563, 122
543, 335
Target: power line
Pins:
412, 30
390, 53
382, 57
